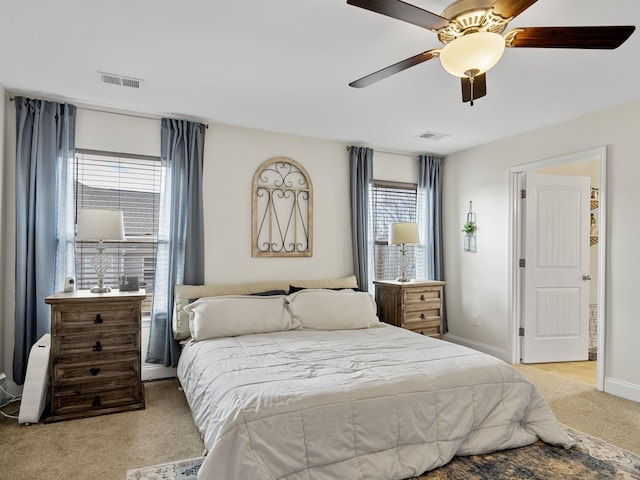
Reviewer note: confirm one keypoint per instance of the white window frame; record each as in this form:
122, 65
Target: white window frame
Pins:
85, 250
387, 257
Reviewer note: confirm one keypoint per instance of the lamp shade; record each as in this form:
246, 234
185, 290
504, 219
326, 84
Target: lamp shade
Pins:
96, 224
403, 233
474, 52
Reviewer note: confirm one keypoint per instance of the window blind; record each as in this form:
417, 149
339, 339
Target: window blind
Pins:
132, 184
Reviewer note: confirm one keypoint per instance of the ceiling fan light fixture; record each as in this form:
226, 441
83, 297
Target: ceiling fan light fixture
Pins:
475, 52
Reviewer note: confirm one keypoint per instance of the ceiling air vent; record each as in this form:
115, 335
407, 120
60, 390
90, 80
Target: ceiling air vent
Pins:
120, 80
432, 135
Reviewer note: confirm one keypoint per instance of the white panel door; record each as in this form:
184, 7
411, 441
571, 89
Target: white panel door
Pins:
556, 275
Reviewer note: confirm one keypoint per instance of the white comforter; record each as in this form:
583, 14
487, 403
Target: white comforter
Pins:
378, 403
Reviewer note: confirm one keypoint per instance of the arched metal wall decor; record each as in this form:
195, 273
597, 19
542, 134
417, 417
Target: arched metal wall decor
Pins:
282, 210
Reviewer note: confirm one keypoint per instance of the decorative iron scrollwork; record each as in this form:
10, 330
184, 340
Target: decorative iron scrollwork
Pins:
282, 210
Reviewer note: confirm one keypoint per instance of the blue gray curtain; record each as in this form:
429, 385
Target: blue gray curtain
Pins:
45, 146
430, 181
361, 177
180, 253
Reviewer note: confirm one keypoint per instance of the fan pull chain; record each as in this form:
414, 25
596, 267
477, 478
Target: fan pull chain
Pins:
471, 74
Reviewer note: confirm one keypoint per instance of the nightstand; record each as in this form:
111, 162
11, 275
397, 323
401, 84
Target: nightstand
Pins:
414, 305
95, 353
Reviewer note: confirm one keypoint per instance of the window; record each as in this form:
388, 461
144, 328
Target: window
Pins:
392, 202
130, 183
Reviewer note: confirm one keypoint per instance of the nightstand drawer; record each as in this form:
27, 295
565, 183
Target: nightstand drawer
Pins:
99, 371
110, 342
87, 398
421, 320
420, 297
83, 319
428, 331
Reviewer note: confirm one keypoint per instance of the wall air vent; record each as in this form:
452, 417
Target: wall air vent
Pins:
432, 135
120, 80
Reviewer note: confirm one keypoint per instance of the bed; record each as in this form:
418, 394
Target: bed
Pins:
312, 386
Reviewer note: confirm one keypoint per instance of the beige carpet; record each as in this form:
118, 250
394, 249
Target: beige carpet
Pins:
103, 447
580, 406
106, 447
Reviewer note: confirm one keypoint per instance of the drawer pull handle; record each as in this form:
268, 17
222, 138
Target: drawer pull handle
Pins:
94, 371
98, 319
97, 347
96, 401
422, 297
422, 317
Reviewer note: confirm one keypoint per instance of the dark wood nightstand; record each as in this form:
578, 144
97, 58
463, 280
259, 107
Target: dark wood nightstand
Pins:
414, 305
95, 353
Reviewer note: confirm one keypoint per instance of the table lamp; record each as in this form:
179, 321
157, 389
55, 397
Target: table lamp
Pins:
99, 225
403, 233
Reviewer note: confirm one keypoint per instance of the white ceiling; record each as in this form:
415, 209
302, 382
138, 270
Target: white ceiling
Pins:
285, 65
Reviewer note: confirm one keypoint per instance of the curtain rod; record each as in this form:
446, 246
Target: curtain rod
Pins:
391, 152
388, 151
149, 116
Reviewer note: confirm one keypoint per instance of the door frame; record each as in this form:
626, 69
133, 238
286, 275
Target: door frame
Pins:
515, 235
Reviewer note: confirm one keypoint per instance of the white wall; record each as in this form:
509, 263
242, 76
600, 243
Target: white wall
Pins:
478, 283
5, 345
8, 238
395, 167
232, 155
117, 132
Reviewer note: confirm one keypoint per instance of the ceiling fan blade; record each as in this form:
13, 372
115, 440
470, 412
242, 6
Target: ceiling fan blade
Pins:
479, 89
511, 8
601, 37
393, 69
403, 11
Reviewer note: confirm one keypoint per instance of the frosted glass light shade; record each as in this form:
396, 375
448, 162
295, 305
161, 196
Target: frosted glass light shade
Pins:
96, 224
476, 52
403, 233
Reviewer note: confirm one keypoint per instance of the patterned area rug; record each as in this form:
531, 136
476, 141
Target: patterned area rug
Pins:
591, 459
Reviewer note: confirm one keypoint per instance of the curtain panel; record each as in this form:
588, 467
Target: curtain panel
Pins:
361, 180
430, 181
45, 248
180, 250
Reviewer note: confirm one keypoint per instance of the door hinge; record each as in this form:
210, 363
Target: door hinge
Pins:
521, 332
523, 193
521, 263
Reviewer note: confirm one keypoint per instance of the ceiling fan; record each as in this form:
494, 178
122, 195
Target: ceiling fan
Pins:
472, 34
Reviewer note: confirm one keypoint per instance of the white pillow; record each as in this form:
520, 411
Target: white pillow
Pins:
233, 315
318, 309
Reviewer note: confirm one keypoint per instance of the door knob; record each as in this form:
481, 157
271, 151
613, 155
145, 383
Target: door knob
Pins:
586, 276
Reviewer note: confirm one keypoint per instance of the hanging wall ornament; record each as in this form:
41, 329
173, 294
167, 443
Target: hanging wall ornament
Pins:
282, 210
469, 230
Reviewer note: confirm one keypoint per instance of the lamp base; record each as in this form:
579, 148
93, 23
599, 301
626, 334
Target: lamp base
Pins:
99, 289
404, 280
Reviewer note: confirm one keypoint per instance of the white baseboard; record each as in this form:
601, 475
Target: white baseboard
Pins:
481, 347
153, 371
622, 389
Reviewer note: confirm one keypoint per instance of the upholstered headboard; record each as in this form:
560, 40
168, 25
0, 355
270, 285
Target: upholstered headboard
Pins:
183, 294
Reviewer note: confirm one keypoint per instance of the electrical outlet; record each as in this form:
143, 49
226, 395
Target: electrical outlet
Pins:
475, 320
